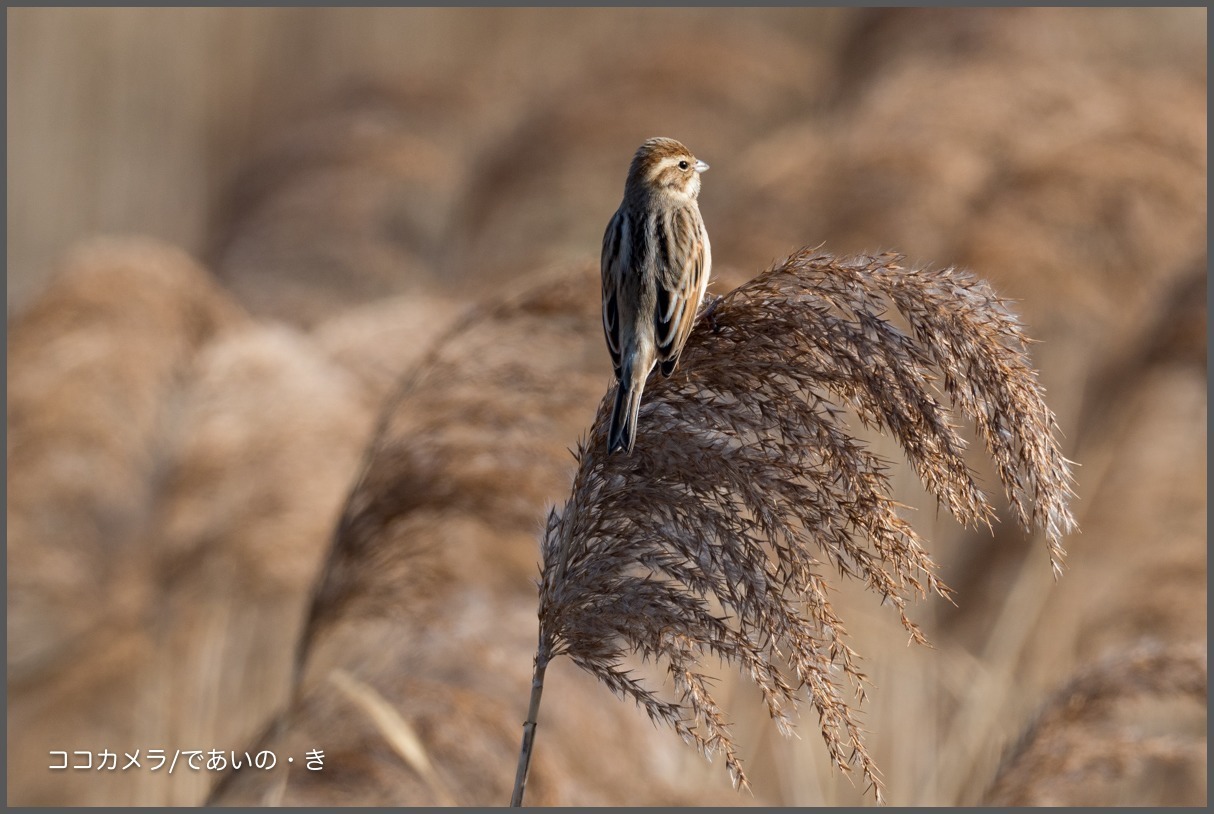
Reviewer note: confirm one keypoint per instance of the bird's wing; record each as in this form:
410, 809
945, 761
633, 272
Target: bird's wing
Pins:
680, 289
613, 244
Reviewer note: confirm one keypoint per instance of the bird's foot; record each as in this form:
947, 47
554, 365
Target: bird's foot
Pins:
710, 313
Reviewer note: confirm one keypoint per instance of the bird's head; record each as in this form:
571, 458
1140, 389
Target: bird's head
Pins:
664, 168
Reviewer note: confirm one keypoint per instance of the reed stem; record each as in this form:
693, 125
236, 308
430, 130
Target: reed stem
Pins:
524, 755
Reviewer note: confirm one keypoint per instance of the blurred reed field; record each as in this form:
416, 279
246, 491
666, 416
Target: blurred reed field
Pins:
304, 321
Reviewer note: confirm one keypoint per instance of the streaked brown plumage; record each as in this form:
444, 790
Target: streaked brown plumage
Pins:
655, 265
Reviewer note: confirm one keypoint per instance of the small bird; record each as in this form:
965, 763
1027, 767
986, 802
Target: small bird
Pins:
655, 265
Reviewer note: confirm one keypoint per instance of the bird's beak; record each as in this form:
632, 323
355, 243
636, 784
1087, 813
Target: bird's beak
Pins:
701, 166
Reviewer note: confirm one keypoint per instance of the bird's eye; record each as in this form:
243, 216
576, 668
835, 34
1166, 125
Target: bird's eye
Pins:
683, 165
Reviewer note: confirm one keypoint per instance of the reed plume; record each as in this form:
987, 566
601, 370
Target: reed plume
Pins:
1094, 733
747, 486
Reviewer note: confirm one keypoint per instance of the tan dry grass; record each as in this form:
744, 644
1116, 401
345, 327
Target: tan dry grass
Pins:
426, 597
1092, 744
269, 439
228, 446
1075, 179
95, 371
94, 367
1069, 170
347, 206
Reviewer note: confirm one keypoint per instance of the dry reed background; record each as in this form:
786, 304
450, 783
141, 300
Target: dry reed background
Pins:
216, 481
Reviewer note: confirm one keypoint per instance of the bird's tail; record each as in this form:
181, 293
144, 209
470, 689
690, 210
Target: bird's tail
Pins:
622, 433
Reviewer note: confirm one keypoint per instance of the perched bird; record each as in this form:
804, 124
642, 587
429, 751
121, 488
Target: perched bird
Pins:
655, 265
